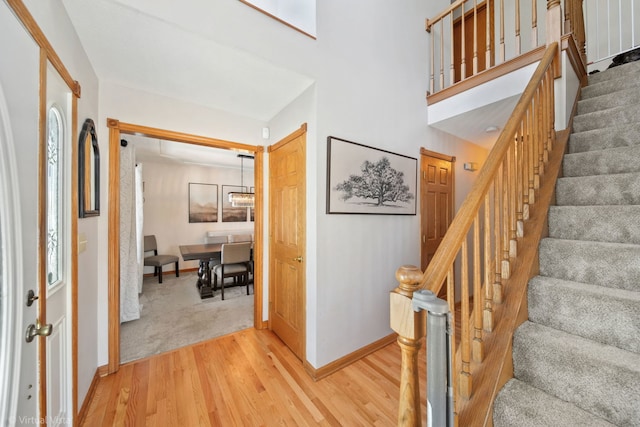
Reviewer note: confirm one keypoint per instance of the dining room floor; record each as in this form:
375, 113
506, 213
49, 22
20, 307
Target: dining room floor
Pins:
173, 316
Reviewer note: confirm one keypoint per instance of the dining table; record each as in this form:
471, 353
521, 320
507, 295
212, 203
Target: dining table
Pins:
204, 253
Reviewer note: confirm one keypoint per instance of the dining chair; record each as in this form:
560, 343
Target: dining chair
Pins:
236, 238
235, 262
211, 238
157, 261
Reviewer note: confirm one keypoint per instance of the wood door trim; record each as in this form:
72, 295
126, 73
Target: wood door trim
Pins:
440, 156
116, 128
293, 135
30, 24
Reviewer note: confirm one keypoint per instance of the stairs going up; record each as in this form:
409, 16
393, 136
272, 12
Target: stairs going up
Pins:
577, 358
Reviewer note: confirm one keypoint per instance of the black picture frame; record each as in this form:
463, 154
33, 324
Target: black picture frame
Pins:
354, 178
203, 202
88, 171
230, 213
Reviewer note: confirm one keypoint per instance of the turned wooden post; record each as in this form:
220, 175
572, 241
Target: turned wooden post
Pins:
410, 327
555, 22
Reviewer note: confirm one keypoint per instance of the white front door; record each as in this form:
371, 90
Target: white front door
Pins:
35, 228
13, 386
19, 79
57, 373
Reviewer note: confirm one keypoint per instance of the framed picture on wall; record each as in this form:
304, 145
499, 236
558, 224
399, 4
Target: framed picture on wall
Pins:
230, 213
368, 180
203, 202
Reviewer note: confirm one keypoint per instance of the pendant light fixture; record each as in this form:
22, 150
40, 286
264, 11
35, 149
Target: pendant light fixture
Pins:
242, 199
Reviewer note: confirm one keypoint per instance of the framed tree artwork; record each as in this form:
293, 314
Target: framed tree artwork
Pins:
368, 180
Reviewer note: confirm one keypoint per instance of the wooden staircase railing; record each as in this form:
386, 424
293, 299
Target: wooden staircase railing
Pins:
473, 36
479, 252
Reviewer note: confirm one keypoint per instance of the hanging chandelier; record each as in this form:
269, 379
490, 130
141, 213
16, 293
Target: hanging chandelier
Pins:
242, 199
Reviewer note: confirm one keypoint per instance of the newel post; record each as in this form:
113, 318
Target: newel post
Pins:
555, 22
410, 327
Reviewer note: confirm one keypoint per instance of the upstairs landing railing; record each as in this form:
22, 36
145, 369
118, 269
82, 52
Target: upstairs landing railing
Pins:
484, 237
473, 36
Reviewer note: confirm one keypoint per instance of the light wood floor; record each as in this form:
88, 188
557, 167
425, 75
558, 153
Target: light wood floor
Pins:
248, 378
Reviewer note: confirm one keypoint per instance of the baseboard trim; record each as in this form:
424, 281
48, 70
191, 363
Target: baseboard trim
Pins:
101, 371
172, 272
336, 365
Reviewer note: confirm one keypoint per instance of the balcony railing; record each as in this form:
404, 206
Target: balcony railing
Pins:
472, 36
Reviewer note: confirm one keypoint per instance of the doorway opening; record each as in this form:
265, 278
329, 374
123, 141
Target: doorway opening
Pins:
119, 131
185, 186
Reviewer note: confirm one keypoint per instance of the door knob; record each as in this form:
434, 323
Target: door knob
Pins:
38, 330
298, 258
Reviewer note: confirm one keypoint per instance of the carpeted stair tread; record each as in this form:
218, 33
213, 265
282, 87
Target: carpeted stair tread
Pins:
609, 223
601, 379
617, 84
605, 315
521, 405
629, 70
577, 359
622, 97
606, 137
613, 265
616, 189
601, 162
604, 118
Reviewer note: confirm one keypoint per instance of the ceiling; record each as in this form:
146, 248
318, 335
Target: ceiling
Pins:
184, 52
156, 150
129, 42
482, 125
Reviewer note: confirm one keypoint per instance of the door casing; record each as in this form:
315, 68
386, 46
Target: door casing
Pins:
116, 129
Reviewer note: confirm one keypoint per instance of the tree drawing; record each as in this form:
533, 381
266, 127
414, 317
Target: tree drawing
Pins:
378, 181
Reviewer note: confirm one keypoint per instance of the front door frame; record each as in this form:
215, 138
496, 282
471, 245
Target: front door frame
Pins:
48, 54
117, 128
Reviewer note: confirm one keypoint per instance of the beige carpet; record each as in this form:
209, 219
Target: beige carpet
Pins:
173, 316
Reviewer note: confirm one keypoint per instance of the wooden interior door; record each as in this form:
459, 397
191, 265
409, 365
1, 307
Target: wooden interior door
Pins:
468, 38
287, 240
436, 201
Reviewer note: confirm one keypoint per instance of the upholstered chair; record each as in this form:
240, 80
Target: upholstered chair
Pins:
157, 261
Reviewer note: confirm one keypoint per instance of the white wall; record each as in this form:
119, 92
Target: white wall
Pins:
166, 210
369, 63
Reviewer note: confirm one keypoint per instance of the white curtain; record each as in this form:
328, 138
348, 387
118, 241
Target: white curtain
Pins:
139, 224
130, 251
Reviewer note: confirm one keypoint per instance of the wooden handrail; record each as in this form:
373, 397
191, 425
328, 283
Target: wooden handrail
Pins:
499, 204
465, 216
